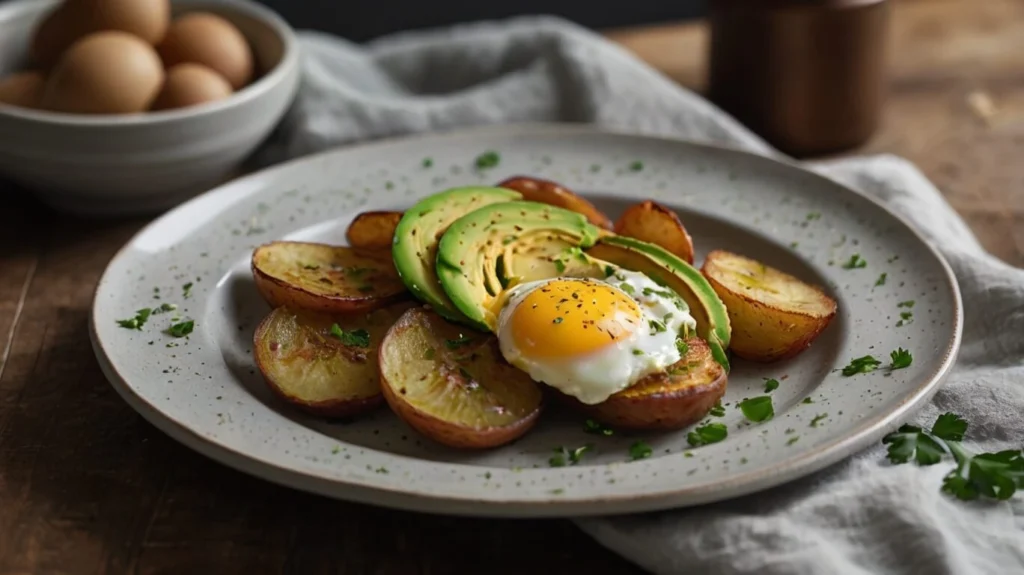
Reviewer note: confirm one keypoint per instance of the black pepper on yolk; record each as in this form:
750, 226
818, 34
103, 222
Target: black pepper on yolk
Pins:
572, 317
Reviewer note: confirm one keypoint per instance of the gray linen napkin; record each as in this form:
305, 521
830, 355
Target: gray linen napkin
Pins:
857, 517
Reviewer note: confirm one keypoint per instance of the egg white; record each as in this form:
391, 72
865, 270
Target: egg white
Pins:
594, 377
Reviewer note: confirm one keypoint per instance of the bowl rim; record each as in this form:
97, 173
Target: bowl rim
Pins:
276, 75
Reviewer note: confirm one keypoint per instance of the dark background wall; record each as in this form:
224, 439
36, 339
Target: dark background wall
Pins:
361, 20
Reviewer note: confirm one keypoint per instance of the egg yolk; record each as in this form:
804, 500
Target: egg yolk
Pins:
571, 317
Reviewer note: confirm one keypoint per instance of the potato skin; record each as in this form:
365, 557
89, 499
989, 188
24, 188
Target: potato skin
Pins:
552, 193
406, 345
281, 271
763, 332
373, 230
664, 402
654, 223
315, 372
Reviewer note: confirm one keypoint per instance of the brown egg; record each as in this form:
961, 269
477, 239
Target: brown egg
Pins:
208, 39
147, 19
104, 73
22, 89
189, 85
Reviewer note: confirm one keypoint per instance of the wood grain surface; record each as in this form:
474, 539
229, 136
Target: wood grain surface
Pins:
86, 486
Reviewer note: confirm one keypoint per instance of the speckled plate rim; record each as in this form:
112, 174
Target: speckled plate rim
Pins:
869, 431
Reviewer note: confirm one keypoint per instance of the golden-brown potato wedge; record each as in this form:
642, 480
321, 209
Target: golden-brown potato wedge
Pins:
323, 278
773, 315
309, 364
373, 230
679, 397
452, 384
653, 223
551, 193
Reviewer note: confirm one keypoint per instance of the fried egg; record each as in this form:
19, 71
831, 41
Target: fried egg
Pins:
591, 338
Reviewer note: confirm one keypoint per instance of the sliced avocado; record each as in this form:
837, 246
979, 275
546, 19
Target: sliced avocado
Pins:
416, 238
500, 245
671, 271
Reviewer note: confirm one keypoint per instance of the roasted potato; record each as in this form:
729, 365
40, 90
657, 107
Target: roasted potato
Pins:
322, 370
323, 278
671, 400
654, 223
773, 315
452, 384
548, 192
373, 230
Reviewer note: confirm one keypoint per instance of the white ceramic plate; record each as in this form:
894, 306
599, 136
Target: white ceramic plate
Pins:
205, 391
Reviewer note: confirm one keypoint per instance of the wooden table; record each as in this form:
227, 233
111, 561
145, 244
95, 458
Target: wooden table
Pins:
87, 486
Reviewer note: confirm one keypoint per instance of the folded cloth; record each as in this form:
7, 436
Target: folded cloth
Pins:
858, 517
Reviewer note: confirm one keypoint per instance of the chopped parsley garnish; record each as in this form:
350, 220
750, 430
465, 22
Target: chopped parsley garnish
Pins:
636, 166
609, 271
901, 358
855, 262
141, 316
906, 317
861, 365
638, 352
807, 400
487, 159
572, 456
576, 455
560, 266
881, 279
578, 254
656, 326
707, 434
181, 329
595, 428
459, 342
186, 290
428, 162
682, 346
164, 308
992, 475
793, 440
663, 293
356, 337
814, 216
817, 419
758, 409
640, 450
770, 385
627, 288
717, 410
908, 304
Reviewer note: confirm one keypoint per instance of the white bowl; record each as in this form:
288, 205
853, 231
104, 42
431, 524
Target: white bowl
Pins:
143, 163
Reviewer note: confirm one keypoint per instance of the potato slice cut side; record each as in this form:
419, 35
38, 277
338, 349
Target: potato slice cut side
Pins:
323, 278
671, 400
554, 194
308, 366
373, 230
773, 314
654, 223
452, 384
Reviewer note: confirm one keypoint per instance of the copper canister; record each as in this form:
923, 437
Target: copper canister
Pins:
806, 75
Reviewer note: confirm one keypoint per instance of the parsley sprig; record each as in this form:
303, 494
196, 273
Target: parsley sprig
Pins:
995, 475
